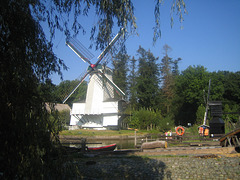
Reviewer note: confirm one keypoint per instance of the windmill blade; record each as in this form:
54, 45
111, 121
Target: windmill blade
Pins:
114, 85
105, 51
80, 50
81, 81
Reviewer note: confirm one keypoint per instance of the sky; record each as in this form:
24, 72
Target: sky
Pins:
209, 36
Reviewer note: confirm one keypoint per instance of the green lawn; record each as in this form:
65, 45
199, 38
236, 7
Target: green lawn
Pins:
84, 132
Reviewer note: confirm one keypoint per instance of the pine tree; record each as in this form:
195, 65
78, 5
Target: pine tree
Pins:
148, 79
169, 70
120, 70
132, 83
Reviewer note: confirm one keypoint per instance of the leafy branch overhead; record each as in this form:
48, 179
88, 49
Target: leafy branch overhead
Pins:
66, 16
178, 7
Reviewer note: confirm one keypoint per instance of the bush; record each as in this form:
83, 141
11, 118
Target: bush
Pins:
146, 119
166, 124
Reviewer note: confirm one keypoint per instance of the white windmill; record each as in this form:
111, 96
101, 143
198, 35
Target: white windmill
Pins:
100, 110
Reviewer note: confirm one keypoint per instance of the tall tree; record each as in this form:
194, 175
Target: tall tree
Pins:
231, 86
189, 93
169, 71
26, 63
120, 70
132, 81
148, 79
167, 77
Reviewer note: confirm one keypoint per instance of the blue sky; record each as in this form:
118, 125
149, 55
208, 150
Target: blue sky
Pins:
209, 36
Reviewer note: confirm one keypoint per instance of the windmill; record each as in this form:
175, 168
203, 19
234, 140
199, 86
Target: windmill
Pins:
100, 110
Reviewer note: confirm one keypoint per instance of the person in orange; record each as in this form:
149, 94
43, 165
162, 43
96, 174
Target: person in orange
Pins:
200, 130
206, 132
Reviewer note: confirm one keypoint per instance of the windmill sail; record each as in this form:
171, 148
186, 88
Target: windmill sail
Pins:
85, 55
119, 91
81, 81
106, 50
80, 50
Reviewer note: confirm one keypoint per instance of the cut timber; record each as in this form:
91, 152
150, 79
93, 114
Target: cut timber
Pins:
154, 144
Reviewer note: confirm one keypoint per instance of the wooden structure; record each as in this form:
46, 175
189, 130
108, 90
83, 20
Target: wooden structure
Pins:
231, 139
217, 125
154, 144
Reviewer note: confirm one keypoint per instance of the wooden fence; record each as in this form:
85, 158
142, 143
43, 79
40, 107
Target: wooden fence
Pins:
185, 140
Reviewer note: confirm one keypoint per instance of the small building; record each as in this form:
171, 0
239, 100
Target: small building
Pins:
217, 125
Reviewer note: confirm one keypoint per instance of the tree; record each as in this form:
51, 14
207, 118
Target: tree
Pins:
132, 83
147, 79
200, 114
64, 89
120, 70
26, 63
231, 84
169, 71
189, 88
167, 77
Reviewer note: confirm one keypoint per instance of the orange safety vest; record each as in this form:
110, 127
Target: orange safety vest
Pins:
200, 130
206, 132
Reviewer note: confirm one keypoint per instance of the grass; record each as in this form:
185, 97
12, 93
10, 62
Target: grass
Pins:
90, 133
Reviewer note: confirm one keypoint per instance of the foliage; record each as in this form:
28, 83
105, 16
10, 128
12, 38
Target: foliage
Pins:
231, 83
132, 83
147, 79
200, 114
59, 120
143, 119
233, 118
189, 88
166, 123
177, 4
150, 120
193, 130
120, 70
62, 90
168, 71
189, 91
27, 61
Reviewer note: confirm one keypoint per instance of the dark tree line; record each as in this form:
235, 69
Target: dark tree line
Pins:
177, 96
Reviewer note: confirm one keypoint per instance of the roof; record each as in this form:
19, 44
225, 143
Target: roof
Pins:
58, 107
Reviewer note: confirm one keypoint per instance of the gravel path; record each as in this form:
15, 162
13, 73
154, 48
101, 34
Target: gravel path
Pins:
223, 164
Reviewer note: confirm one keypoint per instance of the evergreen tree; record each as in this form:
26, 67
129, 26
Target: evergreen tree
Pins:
120, 70
169, 71
132, 81
147, 80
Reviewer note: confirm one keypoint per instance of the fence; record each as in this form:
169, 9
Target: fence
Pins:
185, 140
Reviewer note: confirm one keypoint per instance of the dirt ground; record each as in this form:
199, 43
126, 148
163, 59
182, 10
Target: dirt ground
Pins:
221, 151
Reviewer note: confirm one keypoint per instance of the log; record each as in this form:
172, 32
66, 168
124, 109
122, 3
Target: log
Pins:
154, 144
